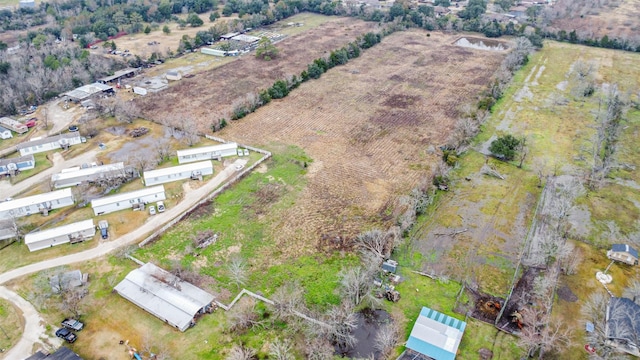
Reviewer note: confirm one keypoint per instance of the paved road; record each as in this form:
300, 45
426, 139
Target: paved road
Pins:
33, 329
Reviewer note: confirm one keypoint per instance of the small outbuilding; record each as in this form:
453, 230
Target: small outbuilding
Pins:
62, 141
434, 336
623, 253
120, 74
173, 75
41, 203
77, 176
206, 153
12, 165
89, 91
127, 200
164, 295
71, 233
180, 172
5, 133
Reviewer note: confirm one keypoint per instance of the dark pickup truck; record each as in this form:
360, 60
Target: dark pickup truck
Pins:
67, 335
72, 324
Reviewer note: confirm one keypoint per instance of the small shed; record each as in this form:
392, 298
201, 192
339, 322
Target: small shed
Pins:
88, 91
71, 233
206, 153
390, 266
12, 165
5, 133
173, 75
41, 203
180, 172
436, 335
623, 253
127, 200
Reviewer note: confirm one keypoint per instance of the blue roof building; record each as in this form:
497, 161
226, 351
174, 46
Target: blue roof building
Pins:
436, 335
623, 253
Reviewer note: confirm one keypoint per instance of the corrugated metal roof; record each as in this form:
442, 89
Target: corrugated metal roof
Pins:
625, 248
164, 295
58, 231
177, 169
64, 175
127, 196
246, 38
436, 335
206, 149
17, 160
87, 90
35, 199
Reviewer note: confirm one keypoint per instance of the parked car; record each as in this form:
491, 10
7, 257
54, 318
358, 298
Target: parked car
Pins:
73, 128
103, 225
31, 122
72, 324
152, 210
67, 335
160, 206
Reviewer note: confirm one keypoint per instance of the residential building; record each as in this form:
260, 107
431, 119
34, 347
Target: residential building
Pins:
70, 233
63, 353
11, 165
180, 172
623, 253
62, 141
5, 133
127, 200
76, 176
206, 153
13, 125
41, 203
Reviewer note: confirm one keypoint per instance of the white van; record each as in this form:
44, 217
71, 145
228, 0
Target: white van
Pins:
160, 206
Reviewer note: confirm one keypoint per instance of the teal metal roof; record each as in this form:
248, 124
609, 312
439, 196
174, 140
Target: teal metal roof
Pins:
436, 335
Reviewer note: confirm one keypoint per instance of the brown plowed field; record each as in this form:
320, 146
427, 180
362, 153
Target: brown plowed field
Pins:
209, 95
367, 126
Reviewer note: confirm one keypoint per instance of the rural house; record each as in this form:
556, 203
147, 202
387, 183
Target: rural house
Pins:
89, 91
71, 233
623, 253
180, 172
206, 153
5, 133
434, 335
41, 203
13, 125
164, 295
62, 141
12, 165
127, 200
64, 353
76, 176
622, 325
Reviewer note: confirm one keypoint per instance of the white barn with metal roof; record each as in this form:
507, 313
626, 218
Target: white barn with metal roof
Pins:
164, 295
126, 200
86, 91
77, 176
71, 233
36, 204
180, 172
206, 153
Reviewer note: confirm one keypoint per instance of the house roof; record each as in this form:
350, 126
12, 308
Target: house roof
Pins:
64, 175
229, 35
436, 335
4, 129
119, 74
177, 169
85, 91
206, 149
623, 319
48, 140
164, 295
16, 160
11, 122
246, 38
61, 354
58, 231
66, 280
127, 196
35, 199
625, 249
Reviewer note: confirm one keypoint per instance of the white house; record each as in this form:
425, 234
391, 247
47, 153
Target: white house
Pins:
62, 141
180, 172
11, 165
206, 153
123, 201
71, 233
76, 176
40, 203
5, 133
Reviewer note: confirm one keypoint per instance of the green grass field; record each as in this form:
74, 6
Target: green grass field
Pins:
10, 324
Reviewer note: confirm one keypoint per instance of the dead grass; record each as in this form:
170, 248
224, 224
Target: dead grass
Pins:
10, 324
614, 21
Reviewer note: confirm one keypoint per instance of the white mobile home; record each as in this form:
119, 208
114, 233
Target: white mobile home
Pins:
71, 233
13, 125
8, 229
180, 172
206, 153
12, 165
77, 176
123, 201
62, 141
41, 203
5, 133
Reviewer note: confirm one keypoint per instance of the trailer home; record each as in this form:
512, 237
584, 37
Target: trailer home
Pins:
206, 153
127, 200
5, 133
77, 176
12, 165
41, 203
71, 233
180, 172
13, 125
62, 141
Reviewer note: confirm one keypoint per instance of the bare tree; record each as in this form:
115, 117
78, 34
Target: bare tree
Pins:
142, 160
243, 316
190, 136
72, 300
44, 117
583, 78
387, 338
570, 257
240, 352
522, 151
374, 242
632, 291
357, 283
288, 298
342, 320
318, 348
594, 310
162, 148
540, 334
281, 350
237, 270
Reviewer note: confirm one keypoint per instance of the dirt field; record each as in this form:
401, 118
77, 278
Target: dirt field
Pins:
209, 96
367, 126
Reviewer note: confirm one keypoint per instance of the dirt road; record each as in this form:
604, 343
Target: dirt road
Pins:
33, 330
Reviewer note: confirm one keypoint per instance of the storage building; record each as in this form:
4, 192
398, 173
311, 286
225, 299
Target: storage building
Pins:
5, 133
41, 203
173, 75
127, 200
115, 78
62, 141
206, 153
165, 296
11, 165
214, 52
434, 336
77, 176
88, 91
180, 172
71, 233
13, 125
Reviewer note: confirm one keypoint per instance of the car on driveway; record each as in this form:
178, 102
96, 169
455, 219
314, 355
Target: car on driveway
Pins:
31, 122
72, 324
152, 210
160, 206
67, 335
73, 128
103, 225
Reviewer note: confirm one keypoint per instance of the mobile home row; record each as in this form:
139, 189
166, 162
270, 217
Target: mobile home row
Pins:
71, 233
76, 176
41, 203
180, 172
61, 141
127, 200
11, 165
206, 153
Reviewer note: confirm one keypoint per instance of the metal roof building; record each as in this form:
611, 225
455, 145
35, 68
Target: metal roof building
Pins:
175, 173
70, 233
164, 295
63, 353
77, 176
623, 253
61, 141
129, 72
206, 152
36, 203
86, 91
126, 200
8, 166
436, 335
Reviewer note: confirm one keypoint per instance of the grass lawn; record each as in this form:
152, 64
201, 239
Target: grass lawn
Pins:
42, 164
10, 324
309, 21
